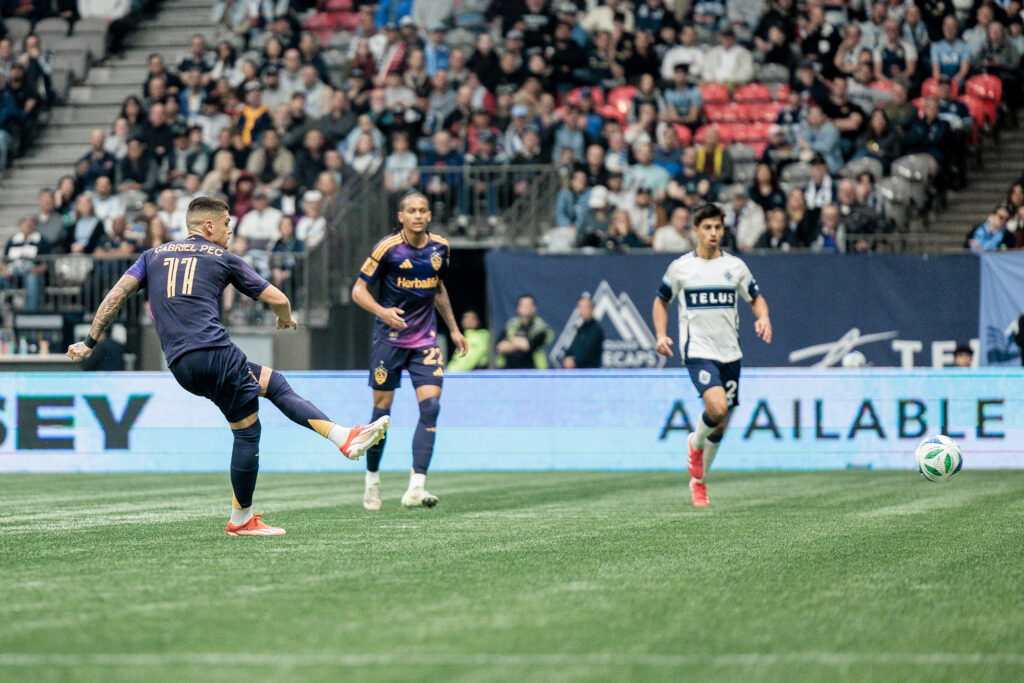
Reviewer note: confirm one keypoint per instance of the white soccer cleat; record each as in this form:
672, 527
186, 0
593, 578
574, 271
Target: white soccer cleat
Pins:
371, 497
362, 438
419, 497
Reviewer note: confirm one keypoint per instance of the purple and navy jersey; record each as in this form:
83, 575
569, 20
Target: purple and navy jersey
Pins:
185, 281
409, 278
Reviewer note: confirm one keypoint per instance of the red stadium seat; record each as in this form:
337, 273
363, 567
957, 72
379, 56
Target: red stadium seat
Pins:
752, 92
763, 111
753, 132
988, 89
684, 134
758, 148
715, 93
782, 92
610, 111
337, 6
349, 21
321, 25
976, 107
725, 113
596, 94
919, 103
930, 88
885, 86
622, 98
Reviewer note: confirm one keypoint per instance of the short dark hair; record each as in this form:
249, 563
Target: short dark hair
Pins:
405, 198
531, 297
963, 348
201, 206
706, 211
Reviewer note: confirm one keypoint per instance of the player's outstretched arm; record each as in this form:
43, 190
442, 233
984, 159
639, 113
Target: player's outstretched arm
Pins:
281, 307
392, 317
444, 306
105, 316
763, 324
660, 316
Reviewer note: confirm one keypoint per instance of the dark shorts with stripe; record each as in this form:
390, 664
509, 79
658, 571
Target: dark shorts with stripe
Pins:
224, 376
710, 373
425, 366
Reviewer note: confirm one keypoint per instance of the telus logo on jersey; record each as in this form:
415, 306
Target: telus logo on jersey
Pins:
635, 347
710, 297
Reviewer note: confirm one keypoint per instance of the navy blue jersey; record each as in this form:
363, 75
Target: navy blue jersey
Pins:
409, 278
185, 281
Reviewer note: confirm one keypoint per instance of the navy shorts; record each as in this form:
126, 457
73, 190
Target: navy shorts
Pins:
424, 365
222, 375
710, 373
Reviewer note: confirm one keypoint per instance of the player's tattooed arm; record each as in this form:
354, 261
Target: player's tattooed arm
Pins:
444, 306
105, 314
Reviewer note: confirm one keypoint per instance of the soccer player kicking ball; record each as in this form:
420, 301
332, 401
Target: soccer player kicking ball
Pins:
706, 282
185, 281
410, 264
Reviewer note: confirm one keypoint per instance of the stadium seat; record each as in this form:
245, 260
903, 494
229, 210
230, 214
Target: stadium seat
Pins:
348, 21
729, 112
726, 193
714, 93
884, 86
897, 198
919, 103
684, 134
861, 164
17, 29
930, 88
622, 99
988, 89
743, 172
976, 107
918, 170
782, 92
51, 26
610, 111
758, 147
772, 74
741, 153
765, 112
797, 174
596, 94
752, 92
337, 6
322, 25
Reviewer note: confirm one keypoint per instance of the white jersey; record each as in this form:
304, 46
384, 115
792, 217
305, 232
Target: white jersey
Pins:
708, 319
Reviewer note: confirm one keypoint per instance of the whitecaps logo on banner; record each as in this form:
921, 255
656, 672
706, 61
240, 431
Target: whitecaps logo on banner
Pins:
635, 347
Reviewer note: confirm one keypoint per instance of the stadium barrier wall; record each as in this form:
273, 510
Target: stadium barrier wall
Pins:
898, 310
493, 420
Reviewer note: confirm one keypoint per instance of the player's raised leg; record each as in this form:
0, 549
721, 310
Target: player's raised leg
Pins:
381, 409
429, 397
352, 442
245, 466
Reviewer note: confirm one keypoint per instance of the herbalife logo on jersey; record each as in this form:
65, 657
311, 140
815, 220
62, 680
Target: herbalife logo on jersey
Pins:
618, 317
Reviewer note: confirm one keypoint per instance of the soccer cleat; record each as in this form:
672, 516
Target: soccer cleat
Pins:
371, 497
419, 497
700, 493
361, 438
695, 463
254, 527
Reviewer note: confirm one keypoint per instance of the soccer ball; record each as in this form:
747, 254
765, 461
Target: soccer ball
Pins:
938, 458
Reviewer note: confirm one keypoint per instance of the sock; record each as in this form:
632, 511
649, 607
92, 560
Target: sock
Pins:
704, 428
417, 480
372, 478
245, 465
426, 432
376, 452
240, 515
300, 411
710, 449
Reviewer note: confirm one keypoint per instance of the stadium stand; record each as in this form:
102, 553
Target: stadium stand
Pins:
326, 106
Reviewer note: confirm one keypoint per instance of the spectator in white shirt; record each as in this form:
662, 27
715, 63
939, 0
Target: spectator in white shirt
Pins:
676, 236
312, 227
105, 203
745, 219
729, 63
259, 225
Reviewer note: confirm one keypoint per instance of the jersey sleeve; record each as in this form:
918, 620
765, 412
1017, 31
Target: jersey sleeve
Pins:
746, 284
375, 265
244, 278
671, 283
138, 270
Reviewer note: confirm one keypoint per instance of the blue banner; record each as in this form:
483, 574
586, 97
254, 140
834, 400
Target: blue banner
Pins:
614, 420
898, 310
1002, 303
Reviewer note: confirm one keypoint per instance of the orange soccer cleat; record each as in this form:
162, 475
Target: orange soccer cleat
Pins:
695, 463
700, 493
360, 439
254, 527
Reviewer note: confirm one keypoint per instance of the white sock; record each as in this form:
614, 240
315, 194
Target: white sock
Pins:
710, 449
702, 432
417, 480
240, 515
338, 435
372, 478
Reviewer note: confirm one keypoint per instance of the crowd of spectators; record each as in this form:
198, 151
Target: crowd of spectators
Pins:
1004, 227
631, 101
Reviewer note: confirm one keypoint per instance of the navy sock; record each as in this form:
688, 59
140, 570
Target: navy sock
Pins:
426, 432
297, 409
376, 452
245, 463
715, 438
708, 421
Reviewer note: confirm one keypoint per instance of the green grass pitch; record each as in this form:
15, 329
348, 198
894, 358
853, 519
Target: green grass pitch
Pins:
568, 576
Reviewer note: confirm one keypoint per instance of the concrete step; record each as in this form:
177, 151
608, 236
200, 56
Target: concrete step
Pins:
126, 76
159, 39
110, 95
138, 58
101, 115
53, 156
175, 16
73, 133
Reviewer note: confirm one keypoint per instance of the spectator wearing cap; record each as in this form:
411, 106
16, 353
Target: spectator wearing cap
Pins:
513, 142
676, 237
255, 117
592, 228
990, 235
260, 223
819, 136
137, 172
645, 215
951, 56
729, 63
683, 100
183, 158
311, 227
820, 189
437, 52
409, 34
